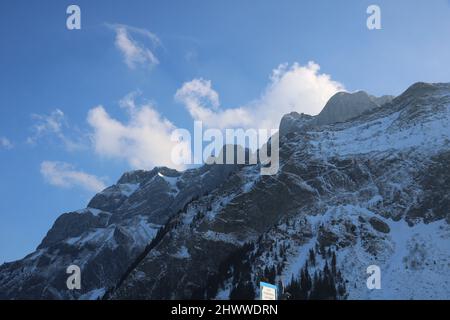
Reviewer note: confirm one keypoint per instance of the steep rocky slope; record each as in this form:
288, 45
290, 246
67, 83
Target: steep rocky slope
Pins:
373, 188
344, 106
108, 235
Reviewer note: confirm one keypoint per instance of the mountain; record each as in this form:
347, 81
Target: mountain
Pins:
381, 100
108, 235
370, 188
344, 106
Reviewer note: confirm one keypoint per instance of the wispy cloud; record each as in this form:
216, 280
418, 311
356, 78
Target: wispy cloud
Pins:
144, 141
5, 143
51, 123
54, 125
291, 88
64, 175
135, 52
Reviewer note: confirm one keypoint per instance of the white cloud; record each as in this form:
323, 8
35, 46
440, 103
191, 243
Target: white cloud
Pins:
144, 141
64, 175
200, 99
54, 125
135, 52
295, 88
5, 143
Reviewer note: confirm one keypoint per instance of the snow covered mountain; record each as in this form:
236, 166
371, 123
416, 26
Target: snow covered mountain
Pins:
353, 190
108, 235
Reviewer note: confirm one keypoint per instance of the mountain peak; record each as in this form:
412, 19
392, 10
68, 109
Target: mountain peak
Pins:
373, 189
422, 89
135, 176
422, 94
293, 121
344, 106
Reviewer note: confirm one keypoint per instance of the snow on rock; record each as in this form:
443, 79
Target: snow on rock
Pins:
128, 189
373, 189
94, 294
384, 134
183, 253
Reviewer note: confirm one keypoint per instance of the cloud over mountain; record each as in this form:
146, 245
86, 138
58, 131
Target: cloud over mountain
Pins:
143, 141
62, 174
291, 88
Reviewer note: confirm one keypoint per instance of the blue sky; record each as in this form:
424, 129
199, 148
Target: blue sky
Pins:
57, 146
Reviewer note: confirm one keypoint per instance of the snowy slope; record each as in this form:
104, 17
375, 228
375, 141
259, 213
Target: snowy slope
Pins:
371, 189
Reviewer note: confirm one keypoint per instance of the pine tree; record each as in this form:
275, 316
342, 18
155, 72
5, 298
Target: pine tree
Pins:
279, 269
243, 291
272, 274
312, 257
280, 288
326, 270
304, 283
333, 264
308, 280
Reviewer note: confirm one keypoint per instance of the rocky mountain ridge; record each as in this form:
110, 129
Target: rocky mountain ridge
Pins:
369, 188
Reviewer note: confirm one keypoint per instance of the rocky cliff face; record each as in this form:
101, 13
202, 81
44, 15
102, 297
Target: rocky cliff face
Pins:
370, 189
344, 106
108, 235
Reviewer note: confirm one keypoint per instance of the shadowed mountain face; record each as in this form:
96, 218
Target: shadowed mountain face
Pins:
344, 106
108, 235
382, 100
370, 187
